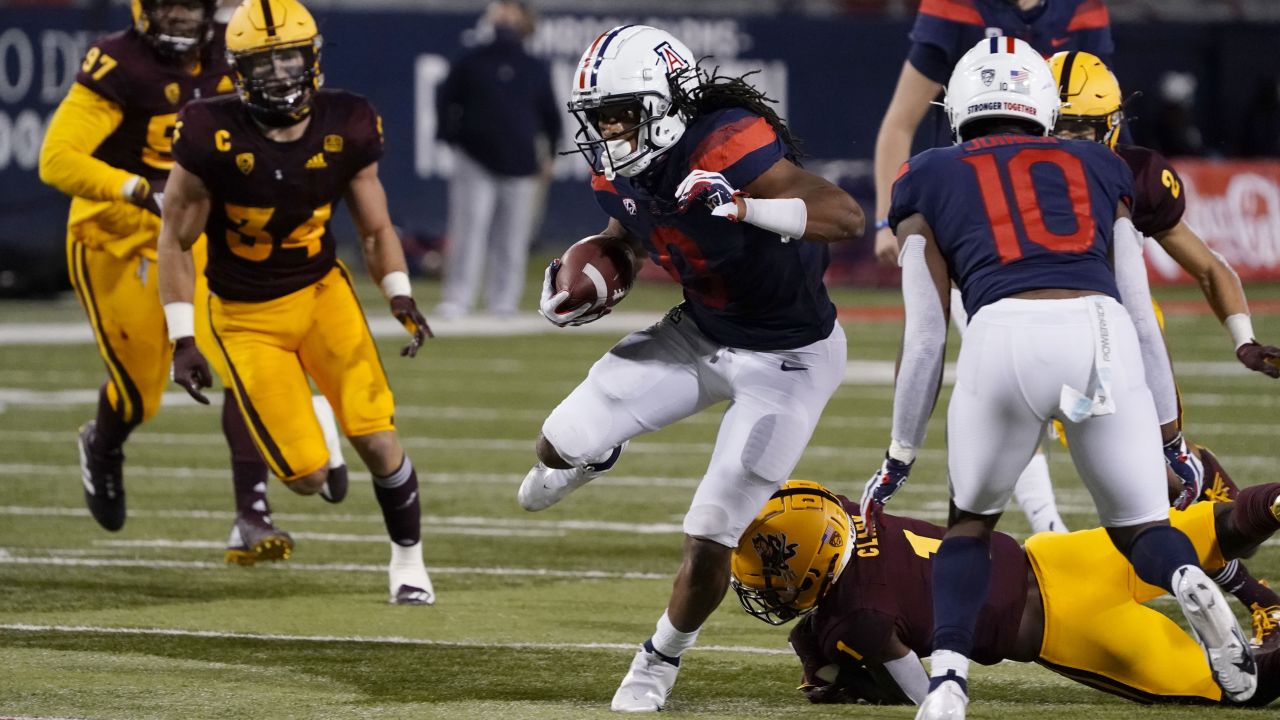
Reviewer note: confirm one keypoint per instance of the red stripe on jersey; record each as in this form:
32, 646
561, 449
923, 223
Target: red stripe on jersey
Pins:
730, 143
1090, 15
906, 166
600, 184
961, 11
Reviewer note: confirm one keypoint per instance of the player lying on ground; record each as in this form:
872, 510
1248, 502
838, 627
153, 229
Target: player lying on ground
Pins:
1069, 601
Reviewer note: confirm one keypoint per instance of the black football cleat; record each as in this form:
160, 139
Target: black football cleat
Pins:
335, 485
255, 539
103, 478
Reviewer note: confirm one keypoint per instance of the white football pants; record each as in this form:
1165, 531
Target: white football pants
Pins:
670, 371
1016, 357
490, 225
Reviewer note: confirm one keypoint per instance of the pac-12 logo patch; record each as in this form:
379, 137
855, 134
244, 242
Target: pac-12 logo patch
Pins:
673, 59
988, 75
244, 161
630, 205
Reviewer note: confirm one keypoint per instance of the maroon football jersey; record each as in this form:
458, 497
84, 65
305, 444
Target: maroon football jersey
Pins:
1158, 202
125, 69
268, 225
888, 585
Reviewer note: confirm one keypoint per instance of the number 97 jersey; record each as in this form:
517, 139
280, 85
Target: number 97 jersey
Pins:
271, 201
1012, 213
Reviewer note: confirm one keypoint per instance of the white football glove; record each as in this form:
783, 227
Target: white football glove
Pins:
551, 300
711, 188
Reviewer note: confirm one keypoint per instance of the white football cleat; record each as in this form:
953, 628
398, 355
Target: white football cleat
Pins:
945, 702
410, 584
1214, 626
544, 486
646, 684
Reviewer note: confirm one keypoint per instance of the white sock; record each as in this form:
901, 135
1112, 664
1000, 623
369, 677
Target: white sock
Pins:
944, 661
406, 555
1034, 493
324, 413
669, 641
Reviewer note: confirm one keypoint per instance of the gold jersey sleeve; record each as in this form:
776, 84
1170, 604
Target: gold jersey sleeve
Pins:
100, 217
83, 120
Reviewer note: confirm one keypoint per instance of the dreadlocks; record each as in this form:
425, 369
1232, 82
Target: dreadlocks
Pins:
722, 91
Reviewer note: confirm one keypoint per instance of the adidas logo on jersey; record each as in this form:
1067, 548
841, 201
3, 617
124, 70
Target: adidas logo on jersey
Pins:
317, 162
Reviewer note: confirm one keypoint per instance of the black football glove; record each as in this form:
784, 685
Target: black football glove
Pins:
1260, 358
406, 311
190, 369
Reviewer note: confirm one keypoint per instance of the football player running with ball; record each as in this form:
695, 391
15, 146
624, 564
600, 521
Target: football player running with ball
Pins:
261, 174
701, 173
1036, 233
1068, 601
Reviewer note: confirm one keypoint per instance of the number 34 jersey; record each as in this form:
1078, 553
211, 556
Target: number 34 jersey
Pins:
1012, 213
271, 201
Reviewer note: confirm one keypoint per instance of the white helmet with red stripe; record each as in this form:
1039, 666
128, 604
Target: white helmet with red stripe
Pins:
625, 79
1002, 77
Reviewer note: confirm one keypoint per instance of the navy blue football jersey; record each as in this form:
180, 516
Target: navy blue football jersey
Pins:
743, 285
1012, 213
946, 29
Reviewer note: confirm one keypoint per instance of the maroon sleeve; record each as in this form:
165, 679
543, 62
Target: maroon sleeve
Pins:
107, 65
193, 138
1159, 200
364, 128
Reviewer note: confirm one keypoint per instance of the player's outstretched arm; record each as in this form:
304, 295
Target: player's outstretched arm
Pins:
1222, 288
911, 98
926, 300
383, 254
186, 209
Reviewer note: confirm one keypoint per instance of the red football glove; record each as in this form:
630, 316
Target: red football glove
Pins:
190, 369
1260, 358
406, 311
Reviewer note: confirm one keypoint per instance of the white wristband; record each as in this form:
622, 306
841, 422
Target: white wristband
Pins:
181, 319
786, 216
1241, 328
130, 185
901, 452
396, 283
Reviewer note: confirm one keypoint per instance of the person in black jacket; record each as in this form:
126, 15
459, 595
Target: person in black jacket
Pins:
498, 112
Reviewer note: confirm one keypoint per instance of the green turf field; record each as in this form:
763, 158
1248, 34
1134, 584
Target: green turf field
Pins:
538, 614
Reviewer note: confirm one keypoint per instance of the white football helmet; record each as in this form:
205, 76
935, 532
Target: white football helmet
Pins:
1002, 77
628, 72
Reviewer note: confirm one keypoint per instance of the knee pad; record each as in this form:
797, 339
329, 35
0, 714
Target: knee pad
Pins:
772, 449
575, 437
712, 522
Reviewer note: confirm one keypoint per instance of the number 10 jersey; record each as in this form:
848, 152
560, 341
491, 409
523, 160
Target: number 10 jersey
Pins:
1012, 213
271, 201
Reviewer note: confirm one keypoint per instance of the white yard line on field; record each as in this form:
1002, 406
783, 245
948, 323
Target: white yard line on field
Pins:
7, 557
371, 640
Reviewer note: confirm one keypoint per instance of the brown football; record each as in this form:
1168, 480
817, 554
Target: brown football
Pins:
596, 271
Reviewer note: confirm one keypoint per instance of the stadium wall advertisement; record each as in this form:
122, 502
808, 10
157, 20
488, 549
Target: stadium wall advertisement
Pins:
831, 88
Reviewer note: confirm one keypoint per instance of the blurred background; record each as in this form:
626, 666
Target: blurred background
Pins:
1208, 74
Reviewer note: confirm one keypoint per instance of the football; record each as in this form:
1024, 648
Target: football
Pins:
596, 271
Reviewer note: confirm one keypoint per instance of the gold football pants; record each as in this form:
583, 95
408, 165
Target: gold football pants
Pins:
272, 347
122, 299
1096, 630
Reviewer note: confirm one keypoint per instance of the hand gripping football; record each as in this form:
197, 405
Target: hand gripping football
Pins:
596, 271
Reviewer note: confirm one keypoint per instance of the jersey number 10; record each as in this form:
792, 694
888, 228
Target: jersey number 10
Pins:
991, 183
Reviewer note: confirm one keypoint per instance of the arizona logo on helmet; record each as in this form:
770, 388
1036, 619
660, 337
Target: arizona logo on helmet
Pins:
668, 55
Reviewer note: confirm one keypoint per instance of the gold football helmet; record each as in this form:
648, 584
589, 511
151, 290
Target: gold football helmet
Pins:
792, 552
172, 39
274, 48
1092, 107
